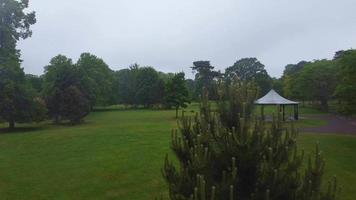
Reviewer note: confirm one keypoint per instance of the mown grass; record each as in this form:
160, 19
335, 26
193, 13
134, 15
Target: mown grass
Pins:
339, 152
118, 154
114, 155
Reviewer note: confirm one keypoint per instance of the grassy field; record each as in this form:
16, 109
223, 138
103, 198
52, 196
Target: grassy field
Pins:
118, 154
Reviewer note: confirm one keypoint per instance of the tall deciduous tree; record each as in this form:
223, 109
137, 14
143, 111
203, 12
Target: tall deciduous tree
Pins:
149, 87
125, 83
99, 78
140, 86
16, 98
318, 81
291, 85
65, 92
176, 92
16, 101
14, 25
346, 88
248, 69
74, 104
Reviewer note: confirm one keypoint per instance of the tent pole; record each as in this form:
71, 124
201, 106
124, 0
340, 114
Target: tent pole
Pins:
296, 113
262, 112
284, 119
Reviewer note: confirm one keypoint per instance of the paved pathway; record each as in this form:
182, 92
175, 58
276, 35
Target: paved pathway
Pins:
335, 124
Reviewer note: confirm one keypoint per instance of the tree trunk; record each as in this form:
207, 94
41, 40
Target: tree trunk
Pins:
324, 105
177, 112
56, 119
11, 124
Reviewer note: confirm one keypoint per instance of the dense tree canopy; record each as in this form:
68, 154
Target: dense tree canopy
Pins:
292, 69
246, 69
99, 78
191, 88
291, 84
311, 81
291, 87
140, 86
64, 90
205, 77
125, 83
149, 87
277, 85
318, 81
14, 25
346, 89
74, 105
176, 92
36, 82
16, 98
250, 69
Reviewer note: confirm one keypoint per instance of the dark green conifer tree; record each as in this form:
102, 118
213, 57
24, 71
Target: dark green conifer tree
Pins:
230, 155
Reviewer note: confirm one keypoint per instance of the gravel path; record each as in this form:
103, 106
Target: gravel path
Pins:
335, 124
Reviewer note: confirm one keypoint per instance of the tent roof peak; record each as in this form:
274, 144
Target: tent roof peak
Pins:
273, 98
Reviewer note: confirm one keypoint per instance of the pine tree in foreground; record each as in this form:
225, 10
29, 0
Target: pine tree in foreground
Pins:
223, 158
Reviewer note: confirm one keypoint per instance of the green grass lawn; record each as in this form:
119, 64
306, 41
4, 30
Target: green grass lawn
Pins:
119, 155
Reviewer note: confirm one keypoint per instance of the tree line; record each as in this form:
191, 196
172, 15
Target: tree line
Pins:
319, 81
71, 90
323, 81
68, 91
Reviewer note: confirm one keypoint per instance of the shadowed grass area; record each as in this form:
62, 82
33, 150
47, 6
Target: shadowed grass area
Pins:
118, 154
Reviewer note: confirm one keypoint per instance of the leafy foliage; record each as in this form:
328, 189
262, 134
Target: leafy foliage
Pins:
14, 25
36, 82
98, 78
65, 92
346, 89
141, 86
291, 84
277, 85
311, 81
248, 69
16, 97
176, 92
318, 81
205, 77
75, 106
124, 86
149, 87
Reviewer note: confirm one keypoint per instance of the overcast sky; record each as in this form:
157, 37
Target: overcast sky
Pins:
170, 34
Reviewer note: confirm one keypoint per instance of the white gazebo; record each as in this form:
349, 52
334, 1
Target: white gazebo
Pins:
273, 98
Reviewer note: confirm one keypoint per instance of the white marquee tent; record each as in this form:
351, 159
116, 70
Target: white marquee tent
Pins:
273, 98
